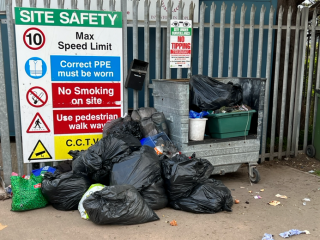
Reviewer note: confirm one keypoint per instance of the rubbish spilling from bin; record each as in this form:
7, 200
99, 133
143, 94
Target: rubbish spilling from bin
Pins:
134, 169
210, 94
179, 99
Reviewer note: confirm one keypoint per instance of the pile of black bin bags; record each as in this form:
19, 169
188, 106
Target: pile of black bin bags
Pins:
136, 181
190, 189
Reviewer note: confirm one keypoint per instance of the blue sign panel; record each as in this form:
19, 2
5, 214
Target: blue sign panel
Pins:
35, 67
85, 68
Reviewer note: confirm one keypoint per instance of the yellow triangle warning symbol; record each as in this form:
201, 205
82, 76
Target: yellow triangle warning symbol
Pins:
39, 152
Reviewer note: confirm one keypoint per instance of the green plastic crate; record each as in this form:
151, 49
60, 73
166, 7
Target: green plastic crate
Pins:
227, 125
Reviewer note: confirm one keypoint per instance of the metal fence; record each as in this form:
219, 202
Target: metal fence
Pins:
162, 61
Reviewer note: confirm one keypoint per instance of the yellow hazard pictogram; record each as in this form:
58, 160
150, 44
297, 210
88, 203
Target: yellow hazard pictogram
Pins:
39, 152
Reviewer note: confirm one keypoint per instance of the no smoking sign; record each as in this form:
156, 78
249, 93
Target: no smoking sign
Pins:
34, 38
37, 96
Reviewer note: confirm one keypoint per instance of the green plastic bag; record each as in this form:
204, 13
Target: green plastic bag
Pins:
27, 193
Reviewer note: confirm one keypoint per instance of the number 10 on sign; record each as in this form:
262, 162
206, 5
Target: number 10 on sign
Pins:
34, 38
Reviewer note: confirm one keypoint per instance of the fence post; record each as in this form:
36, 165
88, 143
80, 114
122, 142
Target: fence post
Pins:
191, 17
298, 97
201, 37
99, 5
221, 42
231, 41
211, 39
158, 40
267, 91
4, 124
135, 42
61, 4
14, 83
251, 33
260, 44
146, 50
285, 80
47, 3
169, 16
241, 37
125, 54
276, 82
309, 91
293, 82
180, 17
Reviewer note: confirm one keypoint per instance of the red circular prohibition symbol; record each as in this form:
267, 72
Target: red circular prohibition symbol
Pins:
37, 98
24, 38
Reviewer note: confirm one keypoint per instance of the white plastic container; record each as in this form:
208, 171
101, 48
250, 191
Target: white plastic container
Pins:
197, 127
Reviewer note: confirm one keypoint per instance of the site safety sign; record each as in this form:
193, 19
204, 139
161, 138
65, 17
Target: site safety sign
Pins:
180, 43
70, 78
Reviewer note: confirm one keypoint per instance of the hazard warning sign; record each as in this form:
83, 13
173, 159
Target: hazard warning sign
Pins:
38, 125
39, 152
37, 96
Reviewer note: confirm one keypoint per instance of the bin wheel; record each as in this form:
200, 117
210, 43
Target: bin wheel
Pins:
310, 151
256, 176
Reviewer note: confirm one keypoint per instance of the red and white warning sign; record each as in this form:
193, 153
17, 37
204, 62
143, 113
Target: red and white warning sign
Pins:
37, 96
38, 125
180, 43
34, 38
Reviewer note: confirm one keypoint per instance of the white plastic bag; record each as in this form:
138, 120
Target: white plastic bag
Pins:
93, 188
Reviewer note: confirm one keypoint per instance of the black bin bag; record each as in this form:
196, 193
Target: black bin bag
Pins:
207, 93
155, 195
121, 205
182, 174
142, 170
208, 197
64, 191
159, 121
96, 162
123, 125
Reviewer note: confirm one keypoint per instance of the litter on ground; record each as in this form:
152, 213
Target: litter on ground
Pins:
281, 196
173, 223
267, 236
274, 203
2, 226
293, 232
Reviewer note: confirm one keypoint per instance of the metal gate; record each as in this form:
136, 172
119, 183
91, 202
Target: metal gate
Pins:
238, 31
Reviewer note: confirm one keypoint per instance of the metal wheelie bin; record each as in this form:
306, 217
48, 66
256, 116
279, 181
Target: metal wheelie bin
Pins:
171, 96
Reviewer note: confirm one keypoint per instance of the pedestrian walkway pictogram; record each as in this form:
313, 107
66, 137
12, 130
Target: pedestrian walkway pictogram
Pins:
38, 125
39, 152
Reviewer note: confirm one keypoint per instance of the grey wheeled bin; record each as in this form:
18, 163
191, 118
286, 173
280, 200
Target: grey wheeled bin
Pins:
172, 98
